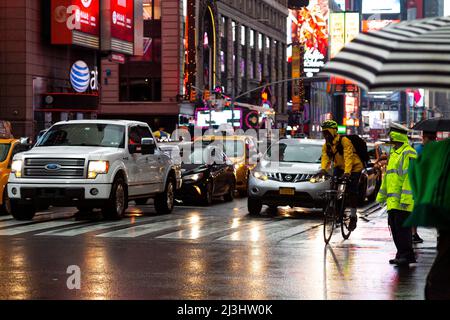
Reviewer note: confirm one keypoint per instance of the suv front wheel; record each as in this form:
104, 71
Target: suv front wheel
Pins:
117, 203
164, 202
254, 206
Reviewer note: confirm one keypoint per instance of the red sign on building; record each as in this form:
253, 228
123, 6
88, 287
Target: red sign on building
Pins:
122, 20
75, 22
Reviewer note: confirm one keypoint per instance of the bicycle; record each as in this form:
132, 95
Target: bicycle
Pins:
334, 211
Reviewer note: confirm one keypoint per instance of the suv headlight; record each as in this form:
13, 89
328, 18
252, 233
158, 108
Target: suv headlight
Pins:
16, 168
260, 175
319, 179
193, 177
97, 167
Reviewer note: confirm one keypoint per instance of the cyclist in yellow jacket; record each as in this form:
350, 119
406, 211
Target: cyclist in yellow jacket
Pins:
396, 192
346, 163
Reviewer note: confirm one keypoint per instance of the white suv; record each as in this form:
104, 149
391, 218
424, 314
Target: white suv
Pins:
93, 164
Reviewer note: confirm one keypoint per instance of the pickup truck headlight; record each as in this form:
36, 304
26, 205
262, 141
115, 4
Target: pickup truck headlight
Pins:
97, 167
16, 168
260, 175
193, 177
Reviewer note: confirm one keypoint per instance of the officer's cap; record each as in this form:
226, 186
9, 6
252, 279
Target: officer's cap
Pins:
398, 128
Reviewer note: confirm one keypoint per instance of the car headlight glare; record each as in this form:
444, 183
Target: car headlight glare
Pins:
97, 167
260, 175
193, 177
16, 168
320, 179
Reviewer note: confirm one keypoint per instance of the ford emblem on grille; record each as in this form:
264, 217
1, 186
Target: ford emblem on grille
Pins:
288, 177
52, 167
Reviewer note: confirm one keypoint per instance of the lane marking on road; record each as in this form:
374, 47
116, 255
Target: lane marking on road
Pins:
201, 231
40, 218
35, 227
256, 231
71, 232
144, 229
5, 218
291, 232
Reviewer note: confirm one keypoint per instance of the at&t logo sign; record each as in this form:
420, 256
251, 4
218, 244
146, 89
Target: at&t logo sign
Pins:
81, 78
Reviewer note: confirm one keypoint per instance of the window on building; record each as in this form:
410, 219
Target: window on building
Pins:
140, 77
233, 26
252, 38
260, 41
243, 38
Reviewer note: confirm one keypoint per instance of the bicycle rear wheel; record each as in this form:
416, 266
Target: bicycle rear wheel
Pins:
329, 220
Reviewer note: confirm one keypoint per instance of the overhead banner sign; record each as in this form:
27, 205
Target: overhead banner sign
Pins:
75, 22
118, 31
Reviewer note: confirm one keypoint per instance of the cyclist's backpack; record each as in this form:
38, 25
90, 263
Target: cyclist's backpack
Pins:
360, 147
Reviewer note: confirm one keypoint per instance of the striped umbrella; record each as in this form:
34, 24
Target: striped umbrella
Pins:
410, 54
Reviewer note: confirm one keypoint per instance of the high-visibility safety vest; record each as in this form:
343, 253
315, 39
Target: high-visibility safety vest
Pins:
395, 188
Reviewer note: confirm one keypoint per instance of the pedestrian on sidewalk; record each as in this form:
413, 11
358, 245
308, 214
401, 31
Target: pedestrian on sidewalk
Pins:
427, 137
396, 192
430, 182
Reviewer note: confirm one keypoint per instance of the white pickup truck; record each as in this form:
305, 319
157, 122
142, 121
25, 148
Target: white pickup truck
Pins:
93, 164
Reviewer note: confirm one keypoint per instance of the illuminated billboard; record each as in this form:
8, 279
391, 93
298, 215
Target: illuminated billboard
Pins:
310, 29
75, 22
337, 33
218, 117
380, 7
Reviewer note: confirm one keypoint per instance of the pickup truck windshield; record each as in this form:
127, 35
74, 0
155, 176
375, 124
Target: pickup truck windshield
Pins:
84, 134
4, 149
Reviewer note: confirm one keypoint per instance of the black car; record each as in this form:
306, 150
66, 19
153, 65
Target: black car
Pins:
207, 173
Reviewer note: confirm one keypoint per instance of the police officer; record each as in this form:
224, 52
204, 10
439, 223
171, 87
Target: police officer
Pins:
396, 191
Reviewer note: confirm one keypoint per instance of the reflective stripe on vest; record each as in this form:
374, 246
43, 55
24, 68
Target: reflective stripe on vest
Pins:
395, 195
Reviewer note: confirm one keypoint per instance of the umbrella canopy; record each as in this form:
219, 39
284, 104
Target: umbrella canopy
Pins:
410, 54
433, 125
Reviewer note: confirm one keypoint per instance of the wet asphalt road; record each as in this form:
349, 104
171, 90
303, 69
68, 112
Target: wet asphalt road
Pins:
218, 252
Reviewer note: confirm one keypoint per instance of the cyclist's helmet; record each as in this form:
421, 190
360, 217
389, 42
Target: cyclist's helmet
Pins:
329, 124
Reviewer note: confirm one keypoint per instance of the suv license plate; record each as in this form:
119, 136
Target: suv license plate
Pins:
287, 191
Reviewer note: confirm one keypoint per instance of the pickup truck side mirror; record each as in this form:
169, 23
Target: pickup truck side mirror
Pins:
148, 146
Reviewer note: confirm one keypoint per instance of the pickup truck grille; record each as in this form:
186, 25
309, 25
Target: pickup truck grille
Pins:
285, 177
54, 168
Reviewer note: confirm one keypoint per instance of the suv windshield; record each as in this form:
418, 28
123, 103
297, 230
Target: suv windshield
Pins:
302, 153
84, 134
4, 149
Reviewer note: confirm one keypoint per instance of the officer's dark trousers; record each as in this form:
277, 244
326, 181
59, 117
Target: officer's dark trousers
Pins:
402, 236
438, 280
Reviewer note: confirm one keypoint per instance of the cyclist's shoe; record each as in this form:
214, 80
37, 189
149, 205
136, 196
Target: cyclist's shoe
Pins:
352, 224
417, 239
402, 261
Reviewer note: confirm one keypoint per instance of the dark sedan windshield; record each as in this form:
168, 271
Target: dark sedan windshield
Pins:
84, 134
302, 153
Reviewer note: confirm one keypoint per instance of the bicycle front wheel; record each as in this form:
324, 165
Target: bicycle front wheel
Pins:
345, 222
329, 220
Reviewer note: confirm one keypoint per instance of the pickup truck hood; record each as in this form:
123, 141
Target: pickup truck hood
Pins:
69, 152
288, 167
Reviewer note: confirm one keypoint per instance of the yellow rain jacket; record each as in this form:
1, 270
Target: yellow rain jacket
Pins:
395, 188
349, 161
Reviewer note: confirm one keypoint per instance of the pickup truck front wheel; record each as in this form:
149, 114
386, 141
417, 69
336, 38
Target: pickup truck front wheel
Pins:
164, 202
115, 208
22, 211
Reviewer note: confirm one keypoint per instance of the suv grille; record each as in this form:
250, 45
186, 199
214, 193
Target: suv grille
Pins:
285, 177
54, 168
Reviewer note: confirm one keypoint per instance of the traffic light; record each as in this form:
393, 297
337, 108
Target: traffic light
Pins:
266, 95
206, 95
193, 96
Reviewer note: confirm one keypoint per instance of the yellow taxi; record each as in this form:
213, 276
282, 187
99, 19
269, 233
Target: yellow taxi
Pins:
239, 149
8, 148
